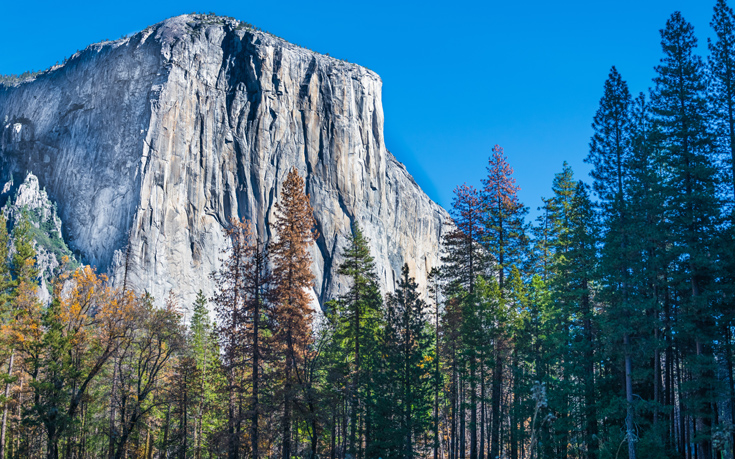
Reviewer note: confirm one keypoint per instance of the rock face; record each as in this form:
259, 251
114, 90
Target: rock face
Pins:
153, 142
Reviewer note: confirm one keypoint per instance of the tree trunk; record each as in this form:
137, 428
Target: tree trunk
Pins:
496, 394
355, 379
184, 417
629, 398
165, 433
462, 420
52, 445
514, 412
473, 409
113, 432
333, 453
256, 367
287, 396
589, 380
5, 405
731, 382
436, 381
482, 406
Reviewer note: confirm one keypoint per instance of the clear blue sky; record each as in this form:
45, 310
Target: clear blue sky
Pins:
458, 76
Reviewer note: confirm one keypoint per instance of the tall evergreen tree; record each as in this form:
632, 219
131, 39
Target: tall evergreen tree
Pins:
679, 102
610, 157
578, 272
404, 382
229, 298
506, 240
205, 352
359, 311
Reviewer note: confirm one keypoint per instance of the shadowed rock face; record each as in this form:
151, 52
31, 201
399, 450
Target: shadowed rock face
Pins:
155, 141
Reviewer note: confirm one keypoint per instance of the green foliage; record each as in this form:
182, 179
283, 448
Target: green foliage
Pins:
23, 259
402, 411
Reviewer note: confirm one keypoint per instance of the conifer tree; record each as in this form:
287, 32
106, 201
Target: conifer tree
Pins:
228, 299
506, 240
244, 292
434, 293
294, 230
23, 259
679, 103
18, 284
359, 311
610, 158
722, 100
578, 267
205, 352
404, 382
504, 227
463, 257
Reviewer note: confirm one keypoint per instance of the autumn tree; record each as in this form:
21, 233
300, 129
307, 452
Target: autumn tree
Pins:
67, 351
156, 339
6, 321
244, 290
293, 279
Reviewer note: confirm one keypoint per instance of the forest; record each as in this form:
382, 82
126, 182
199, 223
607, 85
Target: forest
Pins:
603, 329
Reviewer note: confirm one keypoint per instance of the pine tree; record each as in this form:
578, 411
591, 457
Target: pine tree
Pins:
679, 103
23, 259
506, 240
504, 227
437, 378
294, 228
722, 100
205, 352
359, 311
229, 304
404, 382
610, 150
578, 267
18, 289
463, 257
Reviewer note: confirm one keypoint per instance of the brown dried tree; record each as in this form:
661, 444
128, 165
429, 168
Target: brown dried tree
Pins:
294, 228
243, 293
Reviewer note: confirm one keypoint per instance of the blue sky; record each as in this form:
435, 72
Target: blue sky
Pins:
458, 76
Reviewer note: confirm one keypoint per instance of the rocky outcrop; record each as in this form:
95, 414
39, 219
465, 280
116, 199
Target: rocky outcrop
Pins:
153, 142
30, 202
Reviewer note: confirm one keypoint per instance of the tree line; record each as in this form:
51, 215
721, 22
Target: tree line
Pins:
602, 329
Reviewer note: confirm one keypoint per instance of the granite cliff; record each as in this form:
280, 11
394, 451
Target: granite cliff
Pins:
151, 143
